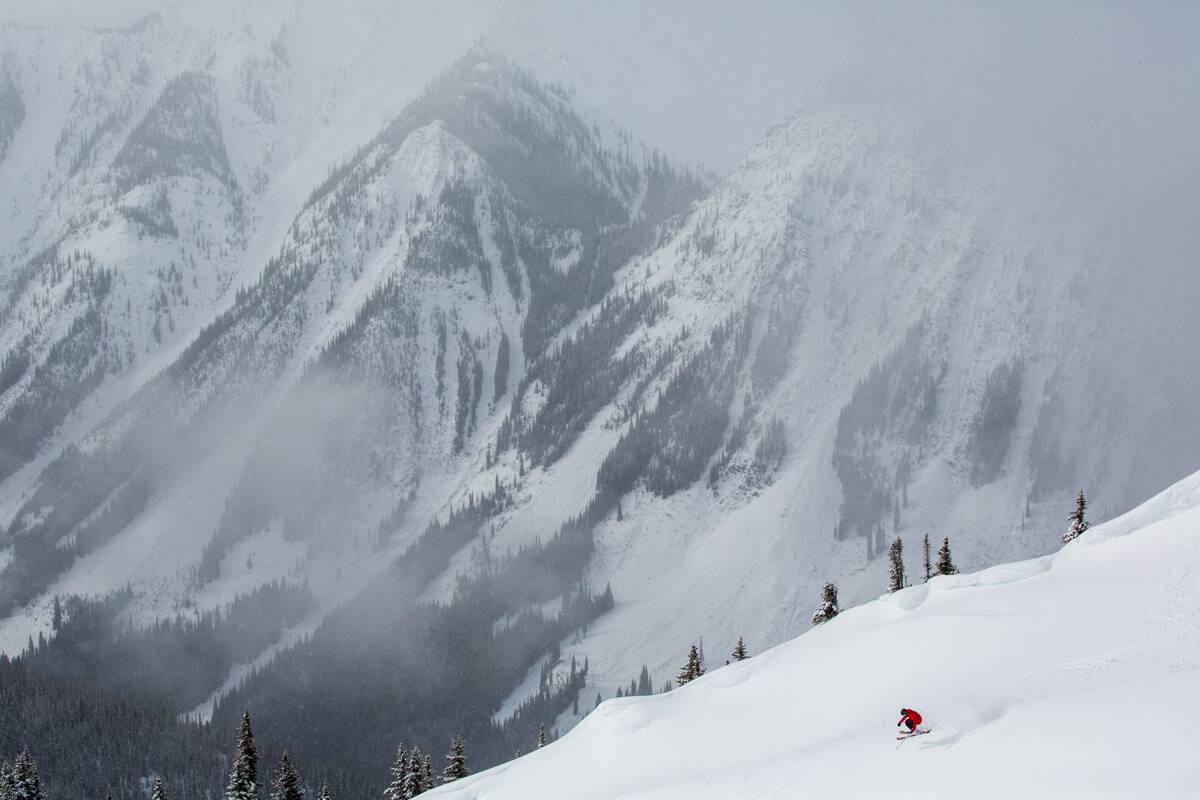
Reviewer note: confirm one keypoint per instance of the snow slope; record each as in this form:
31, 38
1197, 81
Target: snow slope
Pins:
1074, 674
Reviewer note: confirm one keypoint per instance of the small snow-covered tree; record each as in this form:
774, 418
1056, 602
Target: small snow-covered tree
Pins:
1077, 519
945, 565
6, 780
426, 772
739, 650
26, 785
829, 605
412, 776
323, 793
456, 766
692, 669
896, 561
159, 792
286, 785
925, 554
395, 789
541, 740
243, 780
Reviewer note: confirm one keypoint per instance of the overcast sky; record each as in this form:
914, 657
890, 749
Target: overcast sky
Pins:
705, 79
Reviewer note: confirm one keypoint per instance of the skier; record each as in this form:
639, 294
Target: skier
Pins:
910, 718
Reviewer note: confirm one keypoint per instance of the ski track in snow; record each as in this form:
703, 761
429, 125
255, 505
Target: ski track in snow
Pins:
1031, 677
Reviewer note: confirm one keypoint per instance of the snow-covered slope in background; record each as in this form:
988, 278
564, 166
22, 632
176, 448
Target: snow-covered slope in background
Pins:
938, 347
873, 327
1071, 675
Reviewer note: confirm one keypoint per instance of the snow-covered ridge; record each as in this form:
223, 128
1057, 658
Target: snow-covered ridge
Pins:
412, 266
1052, 677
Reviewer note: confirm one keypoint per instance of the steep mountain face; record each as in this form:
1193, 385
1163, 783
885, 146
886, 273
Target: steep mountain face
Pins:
125, 221
420, 399
323, 423
862, 345
421, 273
149, 172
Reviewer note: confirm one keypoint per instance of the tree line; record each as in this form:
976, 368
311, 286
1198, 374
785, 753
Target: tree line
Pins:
412, 774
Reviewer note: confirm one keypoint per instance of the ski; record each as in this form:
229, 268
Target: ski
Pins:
917, 732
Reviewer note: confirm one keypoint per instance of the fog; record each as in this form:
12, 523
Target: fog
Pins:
1095, 107
704, 79
1100, 97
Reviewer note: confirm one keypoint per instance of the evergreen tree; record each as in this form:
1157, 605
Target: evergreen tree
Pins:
645, 685
243, 780
159, 792
323, 794
412, 776
829, 605
395, 789
426, 773
541, 742
896, 559
945, 565
7, 781
456, 766
108, 793
26, 785
1078, 520
925, 554
286, 785
739, 651
693, 669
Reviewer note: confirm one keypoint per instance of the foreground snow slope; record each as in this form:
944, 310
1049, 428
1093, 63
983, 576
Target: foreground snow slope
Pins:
1074, 674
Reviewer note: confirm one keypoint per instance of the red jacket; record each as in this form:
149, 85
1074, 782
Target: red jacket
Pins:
909, 713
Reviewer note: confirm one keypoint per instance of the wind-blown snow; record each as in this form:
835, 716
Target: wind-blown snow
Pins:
1074, 674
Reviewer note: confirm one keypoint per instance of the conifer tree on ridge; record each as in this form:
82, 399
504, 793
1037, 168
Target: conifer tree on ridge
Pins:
1078, 520
829, 605
412, 776
945, 565
693, 669
395, 790
426, 773
739, 651
286, 785
896, 571
26, 785
243, 780
456, 766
